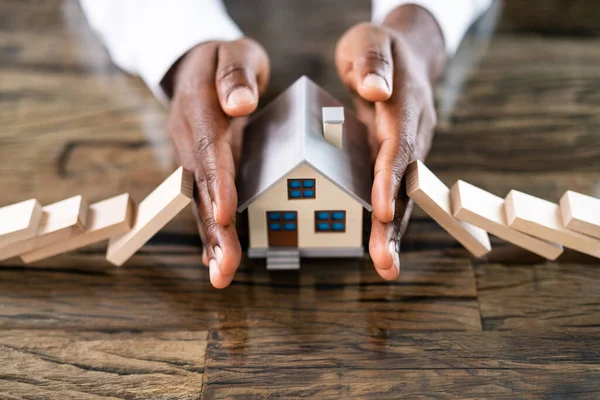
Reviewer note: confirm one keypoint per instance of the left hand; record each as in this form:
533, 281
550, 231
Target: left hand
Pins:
391, 70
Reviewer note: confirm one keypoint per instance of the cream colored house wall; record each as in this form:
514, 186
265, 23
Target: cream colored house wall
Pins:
328, 197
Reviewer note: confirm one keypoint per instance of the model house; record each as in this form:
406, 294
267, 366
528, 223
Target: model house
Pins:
305, 178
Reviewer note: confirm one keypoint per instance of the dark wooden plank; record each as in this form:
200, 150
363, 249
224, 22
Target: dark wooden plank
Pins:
548, 297
536, 102
93, 365
552, 17
319, 363
165, 287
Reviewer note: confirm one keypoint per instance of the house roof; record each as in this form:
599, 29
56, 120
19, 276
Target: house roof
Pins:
289, 132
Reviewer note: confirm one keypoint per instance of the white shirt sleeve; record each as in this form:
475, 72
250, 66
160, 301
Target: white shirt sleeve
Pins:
146, 37
454, 16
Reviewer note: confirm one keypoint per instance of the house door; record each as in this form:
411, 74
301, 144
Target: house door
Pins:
282, 228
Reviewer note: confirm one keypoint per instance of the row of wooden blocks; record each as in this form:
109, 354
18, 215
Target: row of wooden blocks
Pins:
469, 213
466, 212
34, 232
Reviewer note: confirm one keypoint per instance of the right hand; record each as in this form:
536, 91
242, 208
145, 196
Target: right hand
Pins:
215, 85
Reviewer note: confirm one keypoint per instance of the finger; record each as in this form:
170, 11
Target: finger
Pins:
183, 139
365, 63
200, 226
242, 75
211, 135
383, 250
397, 125
215, 159
384, 243
205, 259
221, 244
217, 279
215, 176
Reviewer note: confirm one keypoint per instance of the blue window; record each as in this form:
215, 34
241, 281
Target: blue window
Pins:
301, 189
289, 227
322, 215
323, 227
338, 226
330, 221
282, 220
274, 216
338, 215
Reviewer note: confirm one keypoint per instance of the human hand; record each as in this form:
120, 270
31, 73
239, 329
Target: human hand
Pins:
391, 70
215, 85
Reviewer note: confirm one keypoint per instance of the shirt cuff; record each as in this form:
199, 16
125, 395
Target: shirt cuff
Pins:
165, 32
454, 17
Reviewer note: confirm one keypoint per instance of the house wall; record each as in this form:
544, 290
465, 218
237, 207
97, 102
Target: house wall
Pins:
328, 197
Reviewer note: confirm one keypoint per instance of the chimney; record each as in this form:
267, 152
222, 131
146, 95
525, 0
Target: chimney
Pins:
333, 125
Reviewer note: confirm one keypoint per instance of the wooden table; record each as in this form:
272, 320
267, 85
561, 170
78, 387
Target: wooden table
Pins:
527, 117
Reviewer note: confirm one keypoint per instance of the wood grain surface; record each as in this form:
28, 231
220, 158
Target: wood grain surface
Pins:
94, 365
392, 364
162, 289
524, 113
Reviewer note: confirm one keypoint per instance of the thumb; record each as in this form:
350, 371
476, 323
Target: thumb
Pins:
365, 63
242, 74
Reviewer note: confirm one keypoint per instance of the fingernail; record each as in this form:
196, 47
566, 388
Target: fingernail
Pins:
218, 254
376, 82
215, 210
213, 270
240, 96
395, 255
393, 208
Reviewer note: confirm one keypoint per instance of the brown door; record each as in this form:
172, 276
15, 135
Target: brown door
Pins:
282, 228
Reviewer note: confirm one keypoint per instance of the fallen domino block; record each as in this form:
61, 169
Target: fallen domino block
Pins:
581, 213
154, 212
543, 219
60, 221
433, 197
105, 219
19, 221
486, 211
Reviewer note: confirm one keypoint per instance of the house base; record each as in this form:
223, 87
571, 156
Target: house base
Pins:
315, 252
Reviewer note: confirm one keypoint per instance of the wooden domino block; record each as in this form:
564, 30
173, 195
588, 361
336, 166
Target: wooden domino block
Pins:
19, 221
543, 219
581, 213
59, 222
105, 219
486, 211
433, 197
154, 212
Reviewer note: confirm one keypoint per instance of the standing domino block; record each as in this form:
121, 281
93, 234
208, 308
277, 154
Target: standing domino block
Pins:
433, 197
60, 221
486, 211
581, 213
105, 219
19, 221
543, 219
153, 213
